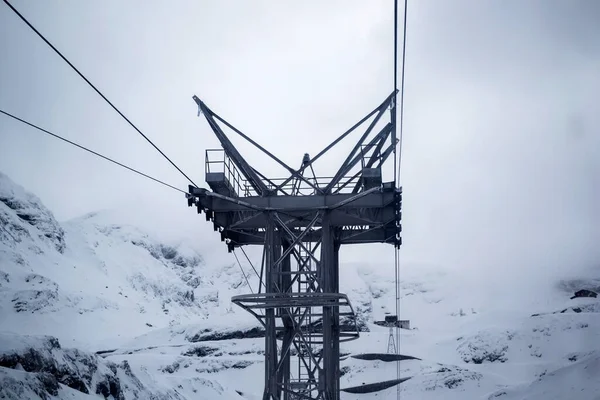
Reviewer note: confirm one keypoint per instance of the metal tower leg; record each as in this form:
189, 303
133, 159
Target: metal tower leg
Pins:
270, 392
283, 377
336, 319
329, 269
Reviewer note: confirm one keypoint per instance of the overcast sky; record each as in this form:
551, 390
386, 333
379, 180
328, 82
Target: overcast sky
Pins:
501, 152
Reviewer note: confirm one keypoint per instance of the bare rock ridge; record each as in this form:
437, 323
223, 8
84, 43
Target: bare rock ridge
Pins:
27, 208
95, 265
584, 293
38, 367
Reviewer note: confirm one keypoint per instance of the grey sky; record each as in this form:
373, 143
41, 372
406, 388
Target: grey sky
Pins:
501, 153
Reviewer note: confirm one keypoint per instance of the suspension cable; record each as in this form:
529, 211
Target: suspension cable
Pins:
398, 163
91, 151
243, 273
97, 91
402, 88
396, 180
252, 265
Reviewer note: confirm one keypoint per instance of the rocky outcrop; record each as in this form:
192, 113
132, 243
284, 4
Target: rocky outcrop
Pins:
575, 285
39, 365
584, 293
18, 384
210, 334
32, 218
484, 347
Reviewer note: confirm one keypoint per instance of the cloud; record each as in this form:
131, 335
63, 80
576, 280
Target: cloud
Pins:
501, 147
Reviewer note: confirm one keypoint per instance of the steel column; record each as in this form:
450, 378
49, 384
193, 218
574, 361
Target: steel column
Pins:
270, 392
330, 322
288, 323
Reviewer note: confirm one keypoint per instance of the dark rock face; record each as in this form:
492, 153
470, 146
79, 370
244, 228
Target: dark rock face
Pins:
450, 377
31, 359
574, 285
33, 367
201, 351
485, 347
224, 365
451, 383
169, 254
585, 293
4, 278
488, 356
34, 300
43, 294
44, 358
172, 368
49, 383
242, 364
29, 212
110, 386
17, 385
210, 335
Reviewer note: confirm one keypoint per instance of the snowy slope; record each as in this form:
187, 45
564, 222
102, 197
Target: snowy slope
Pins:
92, 271
159, 316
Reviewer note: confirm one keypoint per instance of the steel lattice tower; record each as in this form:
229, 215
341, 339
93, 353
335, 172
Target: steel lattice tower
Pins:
302, 221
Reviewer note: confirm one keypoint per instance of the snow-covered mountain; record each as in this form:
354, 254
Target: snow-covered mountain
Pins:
98, 308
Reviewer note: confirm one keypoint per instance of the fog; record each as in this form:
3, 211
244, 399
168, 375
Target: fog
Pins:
501, 144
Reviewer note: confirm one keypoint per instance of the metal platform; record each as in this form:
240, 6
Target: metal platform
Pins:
385, 357
222, 176
375, 387
297, 307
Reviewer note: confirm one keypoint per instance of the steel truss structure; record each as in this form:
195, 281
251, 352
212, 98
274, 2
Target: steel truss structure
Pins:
302, 221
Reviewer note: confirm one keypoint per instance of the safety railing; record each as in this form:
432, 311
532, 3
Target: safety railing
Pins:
298, 187
217, 161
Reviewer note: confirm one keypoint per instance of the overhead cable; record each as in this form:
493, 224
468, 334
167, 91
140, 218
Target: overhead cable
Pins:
399, 158
243, 273
96, 89
402, 88
91, 151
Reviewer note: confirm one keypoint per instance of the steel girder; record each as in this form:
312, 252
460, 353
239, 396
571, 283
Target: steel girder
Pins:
302, 223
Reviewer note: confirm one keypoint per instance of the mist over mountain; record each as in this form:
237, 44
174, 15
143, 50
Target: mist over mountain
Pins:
97, 307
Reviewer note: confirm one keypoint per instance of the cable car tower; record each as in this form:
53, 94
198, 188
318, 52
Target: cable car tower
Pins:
302, 221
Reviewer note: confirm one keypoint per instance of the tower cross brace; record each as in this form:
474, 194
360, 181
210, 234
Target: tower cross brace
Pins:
302, 221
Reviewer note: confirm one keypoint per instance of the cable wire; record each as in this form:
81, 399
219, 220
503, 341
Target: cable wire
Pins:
398, 163
97, 91
252, 265
91, 151
243, 273
402, 87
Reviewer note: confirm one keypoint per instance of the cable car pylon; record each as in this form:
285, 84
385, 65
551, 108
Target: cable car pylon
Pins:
302, 222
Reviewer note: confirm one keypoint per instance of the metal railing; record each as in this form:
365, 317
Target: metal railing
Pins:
217, 161
298, 187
